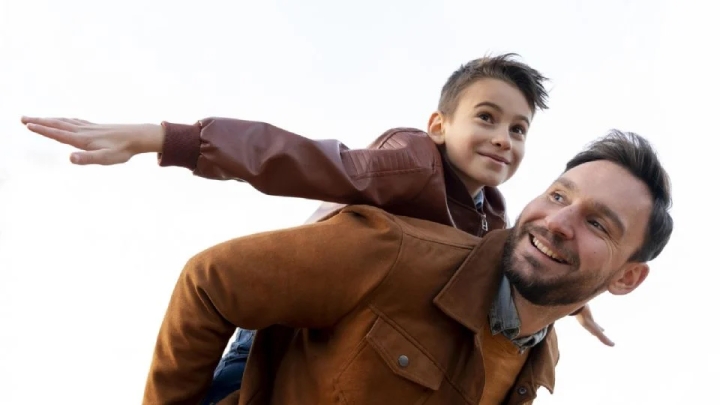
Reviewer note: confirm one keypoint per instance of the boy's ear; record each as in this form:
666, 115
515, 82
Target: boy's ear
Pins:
629, 278
436, 127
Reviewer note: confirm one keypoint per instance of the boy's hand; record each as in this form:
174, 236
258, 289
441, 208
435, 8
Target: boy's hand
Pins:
101, 144
586, 320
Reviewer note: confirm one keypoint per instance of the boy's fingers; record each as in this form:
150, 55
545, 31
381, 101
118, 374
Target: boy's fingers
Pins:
598, 332
75, 121
62, 136
605, 339
57, 123
99, 157
586, 313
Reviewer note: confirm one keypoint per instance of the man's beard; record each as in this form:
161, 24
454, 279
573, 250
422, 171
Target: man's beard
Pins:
568, 289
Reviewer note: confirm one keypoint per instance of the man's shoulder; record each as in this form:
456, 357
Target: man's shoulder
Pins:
418, 229
434, 232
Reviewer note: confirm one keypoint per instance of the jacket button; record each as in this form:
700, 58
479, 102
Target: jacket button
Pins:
403, 361
522, 390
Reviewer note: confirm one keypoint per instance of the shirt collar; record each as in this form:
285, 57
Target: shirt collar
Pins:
505, 319
479, 200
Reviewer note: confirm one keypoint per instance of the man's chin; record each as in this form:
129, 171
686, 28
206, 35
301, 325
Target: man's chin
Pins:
546, 293
533, 293
525, 277
524, 268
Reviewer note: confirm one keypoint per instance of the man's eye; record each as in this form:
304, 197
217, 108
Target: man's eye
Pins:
556, 196
597, 225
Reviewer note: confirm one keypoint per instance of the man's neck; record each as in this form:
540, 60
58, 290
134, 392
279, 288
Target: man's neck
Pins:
534, 318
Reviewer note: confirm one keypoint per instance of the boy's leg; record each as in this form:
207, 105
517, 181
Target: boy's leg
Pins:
229, 372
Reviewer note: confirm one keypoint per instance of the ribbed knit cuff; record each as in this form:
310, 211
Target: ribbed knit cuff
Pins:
181, 146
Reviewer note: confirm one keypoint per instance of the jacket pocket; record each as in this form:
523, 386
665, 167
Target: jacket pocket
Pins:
388, 368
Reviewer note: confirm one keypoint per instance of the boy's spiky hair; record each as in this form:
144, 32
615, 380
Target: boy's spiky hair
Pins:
502, 67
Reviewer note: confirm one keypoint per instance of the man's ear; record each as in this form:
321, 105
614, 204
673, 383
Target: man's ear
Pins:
629, 278
435, 127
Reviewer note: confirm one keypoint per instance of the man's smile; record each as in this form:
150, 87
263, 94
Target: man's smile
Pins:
544, 249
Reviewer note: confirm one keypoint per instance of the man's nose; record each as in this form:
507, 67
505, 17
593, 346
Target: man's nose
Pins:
561, 222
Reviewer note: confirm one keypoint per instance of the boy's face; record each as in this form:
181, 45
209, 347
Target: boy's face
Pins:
485, 137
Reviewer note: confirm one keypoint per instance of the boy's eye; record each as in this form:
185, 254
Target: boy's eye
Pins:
485, 117
518, 129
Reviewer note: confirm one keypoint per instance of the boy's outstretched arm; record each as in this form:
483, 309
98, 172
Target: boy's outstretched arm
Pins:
274, 161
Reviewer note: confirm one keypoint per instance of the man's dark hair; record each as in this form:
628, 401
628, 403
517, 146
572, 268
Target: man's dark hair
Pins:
503, 67
636, 155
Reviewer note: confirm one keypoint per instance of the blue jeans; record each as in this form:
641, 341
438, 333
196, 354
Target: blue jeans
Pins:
229, 372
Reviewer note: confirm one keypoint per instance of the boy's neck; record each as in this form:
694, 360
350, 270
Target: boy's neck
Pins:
472, 185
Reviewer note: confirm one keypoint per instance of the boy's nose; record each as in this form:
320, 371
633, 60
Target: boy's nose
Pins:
501, 139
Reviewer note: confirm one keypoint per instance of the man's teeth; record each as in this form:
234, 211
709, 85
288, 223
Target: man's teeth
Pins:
546, 250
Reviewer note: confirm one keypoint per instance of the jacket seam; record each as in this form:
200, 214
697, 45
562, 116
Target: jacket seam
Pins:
433, 170
369, 295
390, 172
396, 131
460, 245
358, 349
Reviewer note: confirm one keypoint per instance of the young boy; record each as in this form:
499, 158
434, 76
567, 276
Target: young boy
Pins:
474, 142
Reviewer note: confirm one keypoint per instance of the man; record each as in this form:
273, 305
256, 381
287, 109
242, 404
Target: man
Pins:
365, 307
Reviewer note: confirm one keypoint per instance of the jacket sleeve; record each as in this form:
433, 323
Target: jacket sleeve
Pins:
278, 162
304, 277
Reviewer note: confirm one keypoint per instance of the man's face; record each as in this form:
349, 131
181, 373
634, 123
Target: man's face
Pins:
485, 136
574, 241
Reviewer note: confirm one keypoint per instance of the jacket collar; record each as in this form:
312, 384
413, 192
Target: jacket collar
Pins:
494, 202
468, 295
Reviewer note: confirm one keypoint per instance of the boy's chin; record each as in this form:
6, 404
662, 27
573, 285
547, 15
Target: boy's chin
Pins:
491, 178
491, 181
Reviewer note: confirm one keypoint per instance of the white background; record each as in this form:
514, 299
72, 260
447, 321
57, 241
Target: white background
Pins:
89, 255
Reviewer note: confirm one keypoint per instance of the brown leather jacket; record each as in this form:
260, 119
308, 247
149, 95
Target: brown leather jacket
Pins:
402, 172
361, 308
